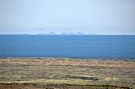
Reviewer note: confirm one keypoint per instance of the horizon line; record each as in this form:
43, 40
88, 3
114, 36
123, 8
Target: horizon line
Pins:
67, 34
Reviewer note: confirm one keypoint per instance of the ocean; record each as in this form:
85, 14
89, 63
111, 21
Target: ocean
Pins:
71, 46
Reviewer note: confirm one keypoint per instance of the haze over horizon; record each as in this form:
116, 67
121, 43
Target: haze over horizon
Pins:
67, 17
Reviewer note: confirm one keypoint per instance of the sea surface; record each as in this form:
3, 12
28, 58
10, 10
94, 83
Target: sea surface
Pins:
74, 46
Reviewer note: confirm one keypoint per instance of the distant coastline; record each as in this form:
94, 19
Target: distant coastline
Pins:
76, 34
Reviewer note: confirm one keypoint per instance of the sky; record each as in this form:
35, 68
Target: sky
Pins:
67, 16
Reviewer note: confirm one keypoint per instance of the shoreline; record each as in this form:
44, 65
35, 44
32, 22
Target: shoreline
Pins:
130, 59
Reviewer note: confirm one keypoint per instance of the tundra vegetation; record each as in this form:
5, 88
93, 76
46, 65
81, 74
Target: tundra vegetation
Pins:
68, 72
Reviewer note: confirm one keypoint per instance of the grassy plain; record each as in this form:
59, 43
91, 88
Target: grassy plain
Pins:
68, 71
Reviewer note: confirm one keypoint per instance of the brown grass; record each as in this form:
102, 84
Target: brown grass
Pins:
67, 71
35, 86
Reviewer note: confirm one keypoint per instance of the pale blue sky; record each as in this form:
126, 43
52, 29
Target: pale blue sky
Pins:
67, 16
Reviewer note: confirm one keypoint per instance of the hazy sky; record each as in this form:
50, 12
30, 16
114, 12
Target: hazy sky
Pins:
67, 16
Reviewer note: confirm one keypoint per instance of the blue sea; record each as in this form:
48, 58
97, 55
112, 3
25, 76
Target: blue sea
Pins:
73, 46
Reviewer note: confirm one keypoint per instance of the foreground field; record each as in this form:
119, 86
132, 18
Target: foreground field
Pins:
67, 71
